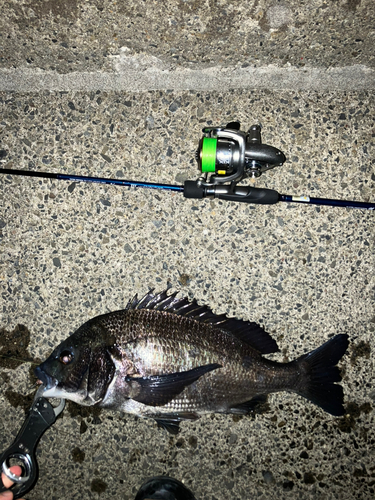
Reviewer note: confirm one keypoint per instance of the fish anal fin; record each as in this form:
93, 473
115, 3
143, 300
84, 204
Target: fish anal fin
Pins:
158, 390
250, 406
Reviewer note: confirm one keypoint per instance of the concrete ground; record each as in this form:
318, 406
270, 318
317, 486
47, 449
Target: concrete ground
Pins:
123, 90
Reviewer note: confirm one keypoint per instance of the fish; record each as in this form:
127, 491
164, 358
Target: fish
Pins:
173, 360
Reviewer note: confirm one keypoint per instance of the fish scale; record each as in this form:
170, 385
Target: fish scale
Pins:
155, 331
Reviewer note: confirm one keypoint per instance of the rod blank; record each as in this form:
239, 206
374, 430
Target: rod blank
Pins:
84, 178
184, 189
327, 201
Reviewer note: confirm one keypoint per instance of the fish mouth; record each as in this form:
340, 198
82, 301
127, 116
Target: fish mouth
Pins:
45, 379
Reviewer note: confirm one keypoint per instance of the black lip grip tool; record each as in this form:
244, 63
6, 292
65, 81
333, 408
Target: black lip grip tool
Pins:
22, 452
226, 156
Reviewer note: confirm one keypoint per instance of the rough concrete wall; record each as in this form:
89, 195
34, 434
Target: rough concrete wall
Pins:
74, 35
187, 45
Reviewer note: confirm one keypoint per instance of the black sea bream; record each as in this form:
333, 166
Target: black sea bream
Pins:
170, 359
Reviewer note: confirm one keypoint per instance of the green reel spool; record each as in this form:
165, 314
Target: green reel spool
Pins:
208, 154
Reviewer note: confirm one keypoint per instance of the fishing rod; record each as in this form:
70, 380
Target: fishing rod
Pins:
229, 155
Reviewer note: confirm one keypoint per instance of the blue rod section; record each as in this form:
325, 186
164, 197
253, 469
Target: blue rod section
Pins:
171, 187
83, 178
327, 201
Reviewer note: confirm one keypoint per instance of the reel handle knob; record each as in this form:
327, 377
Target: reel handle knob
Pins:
254, 135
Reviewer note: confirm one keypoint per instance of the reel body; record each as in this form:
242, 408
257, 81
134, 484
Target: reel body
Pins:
230, 155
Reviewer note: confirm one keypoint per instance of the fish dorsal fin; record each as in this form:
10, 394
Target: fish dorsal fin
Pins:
248, 332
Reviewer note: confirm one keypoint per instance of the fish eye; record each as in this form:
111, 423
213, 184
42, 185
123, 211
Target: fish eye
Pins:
66, 357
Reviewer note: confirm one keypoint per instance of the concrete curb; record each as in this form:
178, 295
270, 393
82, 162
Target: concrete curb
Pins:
215, 78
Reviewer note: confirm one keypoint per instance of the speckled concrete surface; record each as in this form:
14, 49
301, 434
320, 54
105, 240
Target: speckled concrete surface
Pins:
73, 251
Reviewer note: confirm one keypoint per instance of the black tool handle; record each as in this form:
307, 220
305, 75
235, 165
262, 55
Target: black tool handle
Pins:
260, 196
40, 417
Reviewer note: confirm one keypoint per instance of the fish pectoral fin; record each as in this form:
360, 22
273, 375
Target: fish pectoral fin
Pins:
249, 406
171, 422
158, 390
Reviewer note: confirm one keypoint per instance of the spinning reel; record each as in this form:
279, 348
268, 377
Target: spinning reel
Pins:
231, 155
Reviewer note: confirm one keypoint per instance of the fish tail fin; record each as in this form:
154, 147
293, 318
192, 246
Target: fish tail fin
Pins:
320, 374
